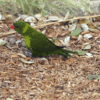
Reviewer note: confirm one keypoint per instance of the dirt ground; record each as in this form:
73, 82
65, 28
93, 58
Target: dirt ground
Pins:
49, 78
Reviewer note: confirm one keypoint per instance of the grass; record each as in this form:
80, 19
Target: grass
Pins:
46, 7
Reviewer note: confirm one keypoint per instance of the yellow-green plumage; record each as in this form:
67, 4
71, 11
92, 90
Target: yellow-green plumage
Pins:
38, 43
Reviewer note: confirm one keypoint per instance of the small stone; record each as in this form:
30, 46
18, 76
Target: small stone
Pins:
23, 44
18, 41
11, 40
28, 53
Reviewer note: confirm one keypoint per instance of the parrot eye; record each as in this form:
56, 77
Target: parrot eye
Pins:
17, 26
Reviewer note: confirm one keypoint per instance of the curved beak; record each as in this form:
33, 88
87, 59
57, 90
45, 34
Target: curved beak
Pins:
12, 27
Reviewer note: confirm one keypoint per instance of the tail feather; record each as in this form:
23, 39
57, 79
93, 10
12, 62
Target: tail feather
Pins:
66, 53
69, 51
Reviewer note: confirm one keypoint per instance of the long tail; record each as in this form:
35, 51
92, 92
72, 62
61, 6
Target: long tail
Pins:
66, 53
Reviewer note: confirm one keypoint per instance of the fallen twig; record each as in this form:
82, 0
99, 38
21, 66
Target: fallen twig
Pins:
43, 25
8, 33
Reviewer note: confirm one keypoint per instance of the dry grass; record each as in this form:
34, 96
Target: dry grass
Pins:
46, 7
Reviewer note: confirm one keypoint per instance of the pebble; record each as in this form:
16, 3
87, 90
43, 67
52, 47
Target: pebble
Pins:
18, 41
28, 53
23, 44
11, 40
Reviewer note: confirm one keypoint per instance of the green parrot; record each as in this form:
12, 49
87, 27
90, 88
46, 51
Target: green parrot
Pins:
37, 42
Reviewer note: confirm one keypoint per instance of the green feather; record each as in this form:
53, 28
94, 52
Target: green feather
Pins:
38, 43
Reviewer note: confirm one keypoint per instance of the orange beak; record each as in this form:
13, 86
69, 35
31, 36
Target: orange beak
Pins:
12, 27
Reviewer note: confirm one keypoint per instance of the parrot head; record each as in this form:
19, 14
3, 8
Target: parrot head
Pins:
19, 26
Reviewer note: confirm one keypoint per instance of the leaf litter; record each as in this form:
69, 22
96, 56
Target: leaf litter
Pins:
51, 77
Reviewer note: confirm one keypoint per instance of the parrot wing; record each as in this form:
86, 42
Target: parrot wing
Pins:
41, 44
